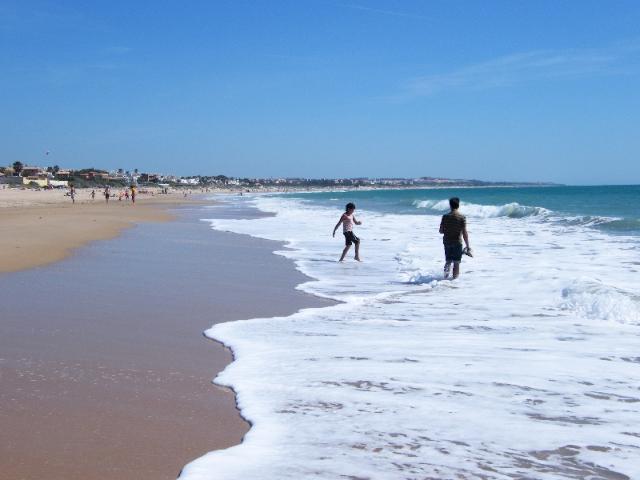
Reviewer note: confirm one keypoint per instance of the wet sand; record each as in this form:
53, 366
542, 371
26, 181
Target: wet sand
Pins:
104, 370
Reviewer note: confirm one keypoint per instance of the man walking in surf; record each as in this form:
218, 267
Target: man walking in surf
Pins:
452, 227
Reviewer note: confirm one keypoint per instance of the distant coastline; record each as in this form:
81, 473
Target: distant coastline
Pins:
25, 176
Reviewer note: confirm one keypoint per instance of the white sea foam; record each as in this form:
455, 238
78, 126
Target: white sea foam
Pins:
594, 299
525, 367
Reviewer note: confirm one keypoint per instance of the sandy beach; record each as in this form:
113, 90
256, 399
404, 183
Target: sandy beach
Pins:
44, 226
105, 372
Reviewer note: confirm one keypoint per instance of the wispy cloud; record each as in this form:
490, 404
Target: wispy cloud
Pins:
525, 67
392, 13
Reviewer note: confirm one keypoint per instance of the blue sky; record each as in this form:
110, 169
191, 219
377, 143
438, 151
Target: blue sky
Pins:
496, 90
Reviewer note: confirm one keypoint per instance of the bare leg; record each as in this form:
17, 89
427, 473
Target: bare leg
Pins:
344, 252
358, 252
447, 269
456, 269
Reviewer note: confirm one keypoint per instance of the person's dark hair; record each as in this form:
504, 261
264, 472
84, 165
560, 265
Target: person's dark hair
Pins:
349, 206
454, 203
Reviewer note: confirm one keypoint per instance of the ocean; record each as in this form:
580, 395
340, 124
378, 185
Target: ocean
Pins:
527, 366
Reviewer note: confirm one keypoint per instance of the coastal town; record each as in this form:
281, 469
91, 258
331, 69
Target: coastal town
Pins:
52, 177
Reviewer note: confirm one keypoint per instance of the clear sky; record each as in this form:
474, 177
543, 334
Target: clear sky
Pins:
496, 90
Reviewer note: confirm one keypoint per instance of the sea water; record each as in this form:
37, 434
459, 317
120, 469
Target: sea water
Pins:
526, 367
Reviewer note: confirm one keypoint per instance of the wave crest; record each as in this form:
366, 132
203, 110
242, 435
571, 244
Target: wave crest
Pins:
511, 210
594, 299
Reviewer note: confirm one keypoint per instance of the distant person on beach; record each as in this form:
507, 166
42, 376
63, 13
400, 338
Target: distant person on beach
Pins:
93, 194
133, 194
348, 220
107, 194
72, 193
454, 226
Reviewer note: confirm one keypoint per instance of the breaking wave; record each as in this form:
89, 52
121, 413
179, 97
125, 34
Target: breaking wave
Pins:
515, 210
511, 210
597, 300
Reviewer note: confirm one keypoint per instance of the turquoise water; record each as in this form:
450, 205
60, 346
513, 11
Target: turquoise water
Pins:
614, 209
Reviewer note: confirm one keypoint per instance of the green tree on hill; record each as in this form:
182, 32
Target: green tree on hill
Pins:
17, 168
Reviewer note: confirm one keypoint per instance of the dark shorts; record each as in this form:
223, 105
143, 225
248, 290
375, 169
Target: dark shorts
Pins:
453, 252
350, 238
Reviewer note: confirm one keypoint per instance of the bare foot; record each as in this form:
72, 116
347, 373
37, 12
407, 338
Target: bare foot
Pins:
358, 259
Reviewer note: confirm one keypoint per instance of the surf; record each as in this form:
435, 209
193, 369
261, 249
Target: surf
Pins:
525, 362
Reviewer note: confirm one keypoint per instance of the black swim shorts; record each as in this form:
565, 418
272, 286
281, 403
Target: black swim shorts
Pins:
350, 238
453, 252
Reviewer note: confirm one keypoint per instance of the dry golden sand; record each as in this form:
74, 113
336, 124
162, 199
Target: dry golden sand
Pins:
41, 227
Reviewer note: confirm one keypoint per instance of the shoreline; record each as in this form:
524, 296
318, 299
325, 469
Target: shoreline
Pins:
93, 387
45, 226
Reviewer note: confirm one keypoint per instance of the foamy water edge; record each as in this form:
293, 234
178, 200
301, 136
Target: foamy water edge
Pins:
314, 450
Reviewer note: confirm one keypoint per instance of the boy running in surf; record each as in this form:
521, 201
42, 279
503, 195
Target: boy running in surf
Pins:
348, 220
452, 227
